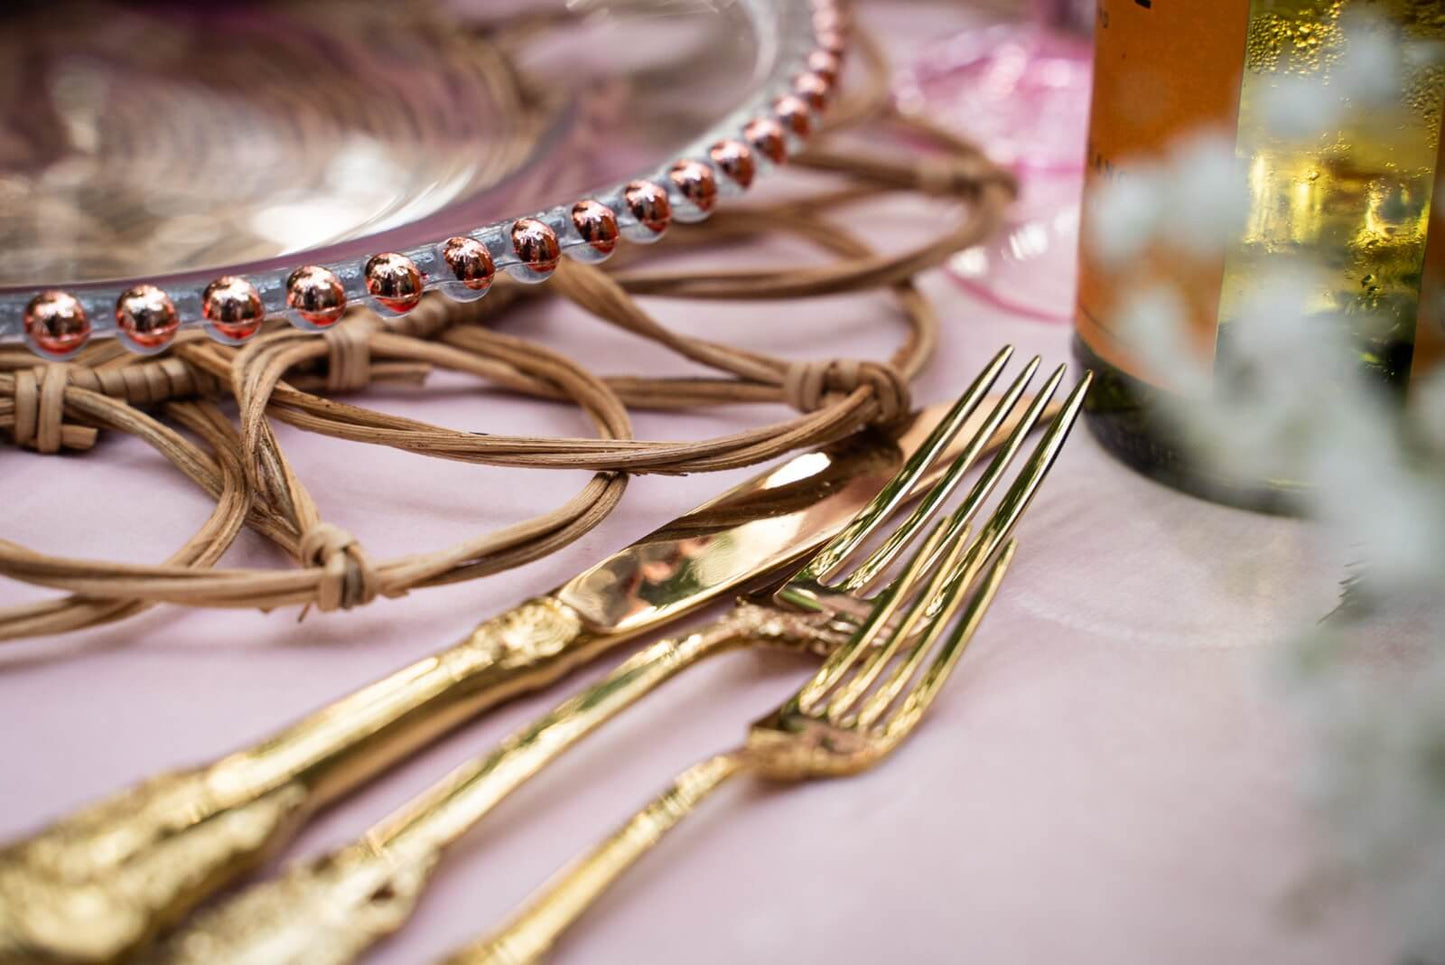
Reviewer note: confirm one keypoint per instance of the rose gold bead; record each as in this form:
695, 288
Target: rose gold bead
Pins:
830, 20
813, 89
393, 280
536, 245
597, 225
649, 206
826, 65
56, 323
695, 182
734, 159
233, 307
767, 138
793, 114
470, 261
833, 42
315, 293
147, 315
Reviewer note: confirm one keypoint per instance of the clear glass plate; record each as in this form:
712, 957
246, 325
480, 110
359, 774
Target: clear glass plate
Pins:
172, 143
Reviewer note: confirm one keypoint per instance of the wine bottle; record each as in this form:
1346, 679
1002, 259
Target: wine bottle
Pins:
1351, 199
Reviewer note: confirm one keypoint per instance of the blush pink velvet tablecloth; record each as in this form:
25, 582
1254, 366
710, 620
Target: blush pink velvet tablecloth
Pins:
1112, 778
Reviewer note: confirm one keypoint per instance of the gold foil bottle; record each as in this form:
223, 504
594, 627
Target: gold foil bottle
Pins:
1353, 200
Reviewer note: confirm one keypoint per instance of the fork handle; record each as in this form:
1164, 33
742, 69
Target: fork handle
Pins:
532, 931
455, 804
329, 911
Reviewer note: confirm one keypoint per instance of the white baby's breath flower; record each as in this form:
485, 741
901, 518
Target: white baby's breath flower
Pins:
1428, 402
1388, 517
1196, 202
1155, 316
1125, 213
1154, 321
1382, 783
1418, 54
1300, 106
1285, 398
1206, 195
1368, 72
1288, 400
1273, 314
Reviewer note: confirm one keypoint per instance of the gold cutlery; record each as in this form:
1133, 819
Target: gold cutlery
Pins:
101, 883
836, 725
328, 911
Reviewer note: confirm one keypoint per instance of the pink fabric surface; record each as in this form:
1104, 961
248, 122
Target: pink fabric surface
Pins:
1112, 777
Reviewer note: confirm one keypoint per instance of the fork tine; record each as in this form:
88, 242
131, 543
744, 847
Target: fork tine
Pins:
923, 693
866, 573
1040, 461
878, 658
840, 660
944, 593
999, 525
1021, 493
882, 506
937, 609
990, 477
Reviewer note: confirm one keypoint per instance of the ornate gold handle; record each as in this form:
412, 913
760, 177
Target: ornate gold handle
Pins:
327, 912
102, 882
532, 932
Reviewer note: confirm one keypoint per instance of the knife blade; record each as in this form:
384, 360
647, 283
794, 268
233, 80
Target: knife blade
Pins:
102, 882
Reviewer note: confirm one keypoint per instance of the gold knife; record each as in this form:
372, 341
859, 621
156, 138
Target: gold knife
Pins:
100, 883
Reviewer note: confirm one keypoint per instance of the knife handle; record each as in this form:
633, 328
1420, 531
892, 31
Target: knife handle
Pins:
329, 910
100, 883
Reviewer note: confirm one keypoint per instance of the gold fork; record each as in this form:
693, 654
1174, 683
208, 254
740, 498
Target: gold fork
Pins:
332, 909
840, 722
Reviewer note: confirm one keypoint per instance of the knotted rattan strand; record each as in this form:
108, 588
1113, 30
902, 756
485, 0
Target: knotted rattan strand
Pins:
281, 373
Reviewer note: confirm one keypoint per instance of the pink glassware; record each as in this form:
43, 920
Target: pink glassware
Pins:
1021, 89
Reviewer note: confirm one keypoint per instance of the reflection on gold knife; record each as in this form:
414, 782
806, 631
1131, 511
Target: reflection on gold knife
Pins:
102, 882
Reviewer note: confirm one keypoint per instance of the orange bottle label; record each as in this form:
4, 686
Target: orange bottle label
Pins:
1164, 70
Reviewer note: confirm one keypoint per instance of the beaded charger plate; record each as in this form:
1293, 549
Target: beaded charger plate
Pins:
167, 165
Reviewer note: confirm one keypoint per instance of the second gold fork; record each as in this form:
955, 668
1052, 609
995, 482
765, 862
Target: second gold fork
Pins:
835, 725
